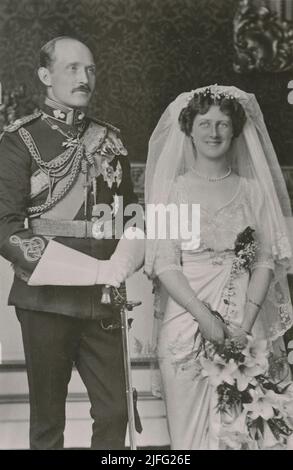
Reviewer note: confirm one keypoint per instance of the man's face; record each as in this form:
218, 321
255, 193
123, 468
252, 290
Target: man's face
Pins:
72, 75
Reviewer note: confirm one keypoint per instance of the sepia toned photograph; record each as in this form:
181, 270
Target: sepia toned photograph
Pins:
146, 227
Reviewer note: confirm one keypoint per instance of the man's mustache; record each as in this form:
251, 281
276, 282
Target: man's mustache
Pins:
82, 88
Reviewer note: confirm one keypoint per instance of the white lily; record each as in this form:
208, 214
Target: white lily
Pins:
256, 354
261, 405
235, 435
245, 375
218, 370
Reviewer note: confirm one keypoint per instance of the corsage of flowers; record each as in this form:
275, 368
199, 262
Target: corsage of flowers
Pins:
245, 253
245, 250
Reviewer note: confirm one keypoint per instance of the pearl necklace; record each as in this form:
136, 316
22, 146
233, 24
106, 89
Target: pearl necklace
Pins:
213, 178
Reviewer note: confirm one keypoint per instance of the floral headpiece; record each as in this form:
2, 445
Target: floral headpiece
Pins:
216, 92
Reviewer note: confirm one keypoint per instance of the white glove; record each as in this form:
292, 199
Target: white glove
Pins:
111, 272
126, 259
63, 266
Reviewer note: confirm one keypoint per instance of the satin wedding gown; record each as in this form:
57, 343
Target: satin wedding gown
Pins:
190, 399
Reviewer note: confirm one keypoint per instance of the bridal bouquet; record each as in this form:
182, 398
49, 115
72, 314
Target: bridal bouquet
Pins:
256, 411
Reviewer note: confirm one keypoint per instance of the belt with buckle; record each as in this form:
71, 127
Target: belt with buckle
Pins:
72, 228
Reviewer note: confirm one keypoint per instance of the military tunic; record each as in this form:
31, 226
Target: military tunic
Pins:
62, 326
16, 169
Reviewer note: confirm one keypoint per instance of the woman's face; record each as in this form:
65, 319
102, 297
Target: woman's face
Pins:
212, 133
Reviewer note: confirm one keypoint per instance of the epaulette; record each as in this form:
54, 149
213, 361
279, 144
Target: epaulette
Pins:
106, 124
14, 126
106, 141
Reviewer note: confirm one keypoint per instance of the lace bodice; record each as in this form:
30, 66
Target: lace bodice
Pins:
218, 229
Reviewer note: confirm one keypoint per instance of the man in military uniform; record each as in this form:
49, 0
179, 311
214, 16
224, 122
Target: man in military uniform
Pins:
56, 167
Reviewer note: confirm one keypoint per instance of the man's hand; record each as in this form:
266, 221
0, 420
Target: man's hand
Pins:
113, 272
127, 258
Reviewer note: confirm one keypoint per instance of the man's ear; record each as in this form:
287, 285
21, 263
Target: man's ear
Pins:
45, 76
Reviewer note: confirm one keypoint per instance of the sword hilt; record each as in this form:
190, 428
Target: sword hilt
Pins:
106, 295
111, 295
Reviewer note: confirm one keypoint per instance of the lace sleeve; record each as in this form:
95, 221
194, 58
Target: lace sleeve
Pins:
263, 260
168, 258
264, 253
169, 249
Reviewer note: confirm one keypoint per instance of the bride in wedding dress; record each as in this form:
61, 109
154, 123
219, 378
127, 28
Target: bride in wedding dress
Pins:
211, 147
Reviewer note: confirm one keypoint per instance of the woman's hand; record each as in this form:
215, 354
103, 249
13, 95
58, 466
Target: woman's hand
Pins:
211, 328
239, 337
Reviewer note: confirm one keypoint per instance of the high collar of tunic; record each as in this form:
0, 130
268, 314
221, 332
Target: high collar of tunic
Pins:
63, 114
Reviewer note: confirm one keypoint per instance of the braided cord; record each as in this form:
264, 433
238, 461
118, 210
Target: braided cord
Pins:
35, 210
57, 168
56, 164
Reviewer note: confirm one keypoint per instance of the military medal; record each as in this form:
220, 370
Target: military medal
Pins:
71, 139
110, 175
70, 142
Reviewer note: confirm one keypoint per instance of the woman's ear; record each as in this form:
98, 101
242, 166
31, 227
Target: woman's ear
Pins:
192, 140
45, 76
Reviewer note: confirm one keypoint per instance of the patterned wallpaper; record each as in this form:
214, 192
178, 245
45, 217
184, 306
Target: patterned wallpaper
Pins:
147, 52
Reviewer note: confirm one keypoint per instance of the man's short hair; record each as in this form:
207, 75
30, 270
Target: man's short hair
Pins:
47, 57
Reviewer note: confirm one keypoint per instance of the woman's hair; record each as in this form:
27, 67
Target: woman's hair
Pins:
200, 103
